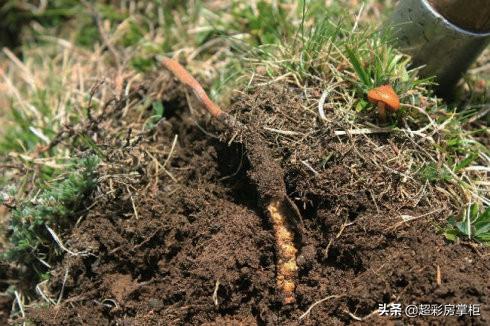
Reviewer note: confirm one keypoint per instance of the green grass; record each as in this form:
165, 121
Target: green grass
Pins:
318, 49
29, 128
55, 203
433, 173
474, 225
158, 112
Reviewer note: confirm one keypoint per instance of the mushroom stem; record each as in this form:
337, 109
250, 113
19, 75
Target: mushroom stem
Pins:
382, 111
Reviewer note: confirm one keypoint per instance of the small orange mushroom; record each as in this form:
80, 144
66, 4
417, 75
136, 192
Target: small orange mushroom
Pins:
385, 98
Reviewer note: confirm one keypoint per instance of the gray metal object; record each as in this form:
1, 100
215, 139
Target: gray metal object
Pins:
445, 50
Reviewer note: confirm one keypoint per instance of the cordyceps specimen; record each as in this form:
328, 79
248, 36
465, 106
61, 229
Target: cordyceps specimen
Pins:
269, 179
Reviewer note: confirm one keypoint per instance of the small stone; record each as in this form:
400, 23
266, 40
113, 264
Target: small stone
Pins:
155, 303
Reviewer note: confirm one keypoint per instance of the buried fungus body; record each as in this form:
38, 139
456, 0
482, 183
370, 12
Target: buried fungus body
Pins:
286, 253
278, 206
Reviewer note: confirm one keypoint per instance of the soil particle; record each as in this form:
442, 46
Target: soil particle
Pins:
120, 286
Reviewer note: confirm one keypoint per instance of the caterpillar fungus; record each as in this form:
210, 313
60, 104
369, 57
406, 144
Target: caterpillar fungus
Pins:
286, 268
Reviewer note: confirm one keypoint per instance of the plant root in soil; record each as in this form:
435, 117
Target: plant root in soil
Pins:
270, 185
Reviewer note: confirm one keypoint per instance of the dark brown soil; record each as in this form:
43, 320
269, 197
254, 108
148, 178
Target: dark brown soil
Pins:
5, 308
181, 237
5, 281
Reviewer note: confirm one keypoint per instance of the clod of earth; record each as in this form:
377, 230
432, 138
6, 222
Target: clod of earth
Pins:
271, 188
386, 98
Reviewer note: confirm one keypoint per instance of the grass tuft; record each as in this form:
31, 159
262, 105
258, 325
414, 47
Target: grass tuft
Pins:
53, 205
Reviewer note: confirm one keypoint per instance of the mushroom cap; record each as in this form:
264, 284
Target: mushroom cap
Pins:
385, 94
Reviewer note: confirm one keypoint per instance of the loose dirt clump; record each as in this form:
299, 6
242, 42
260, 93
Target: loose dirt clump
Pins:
5, 308
178, 234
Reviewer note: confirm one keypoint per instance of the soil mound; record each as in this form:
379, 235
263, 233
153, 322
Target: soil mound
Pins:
177, 234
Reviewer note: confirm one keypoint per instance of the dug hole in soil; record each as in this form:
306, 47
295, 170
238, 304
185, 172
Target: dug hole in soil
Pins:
178, 234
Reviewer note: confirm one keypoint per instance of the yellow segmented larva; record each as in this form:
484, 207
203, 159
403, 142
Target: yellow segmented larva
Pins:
286, 268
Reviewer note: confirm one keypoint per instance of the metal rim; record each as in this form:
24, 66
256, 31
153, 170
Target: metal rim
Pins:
450, 25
